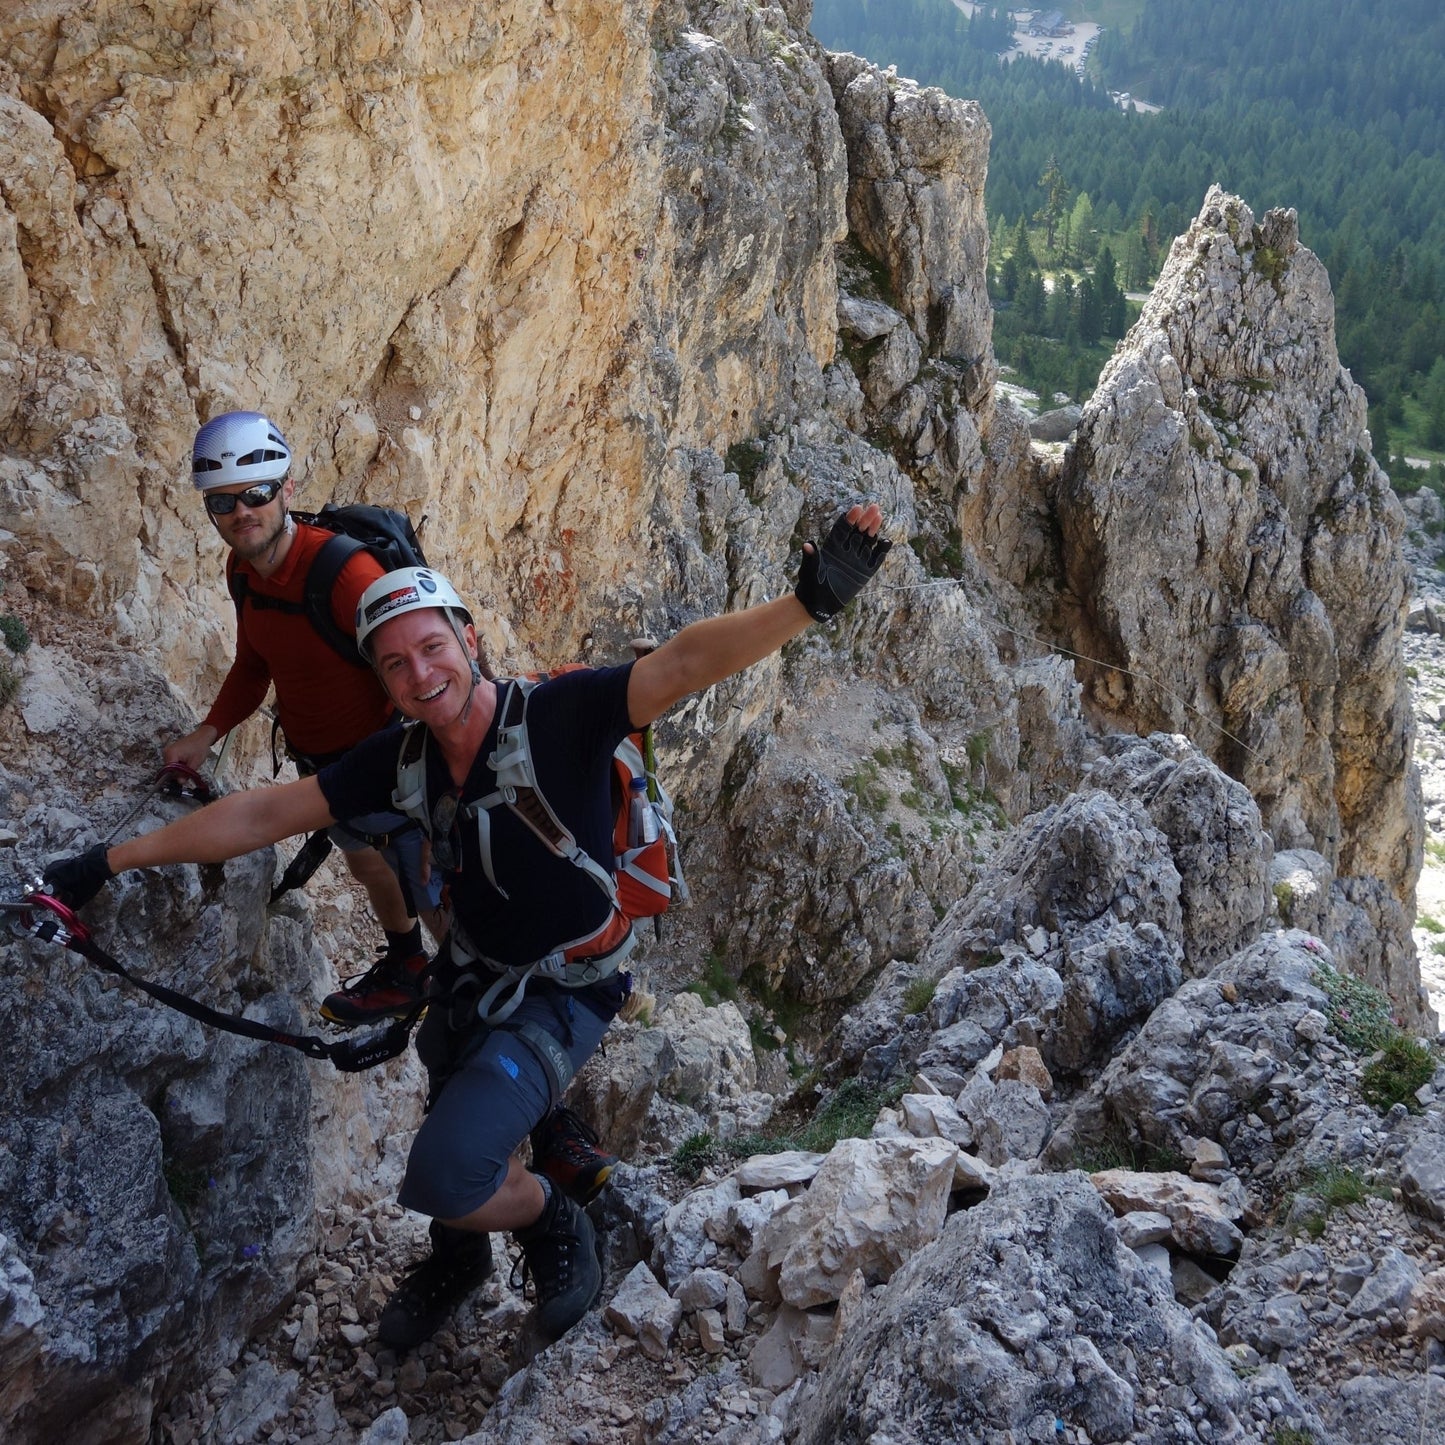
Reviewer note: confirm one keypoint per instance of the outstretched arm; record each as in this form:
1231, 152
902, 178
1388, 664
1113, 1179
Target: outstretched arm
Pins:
231, 826
235, 824
706, 652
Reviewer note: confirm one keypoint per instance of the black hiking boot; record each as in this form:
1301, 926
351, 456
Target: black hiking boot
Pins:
390, 988
460, 1260
564, 1149
559, 1253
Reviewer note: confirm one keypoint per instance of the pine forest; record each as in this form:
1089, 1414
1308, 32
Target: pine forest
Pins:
1098, 160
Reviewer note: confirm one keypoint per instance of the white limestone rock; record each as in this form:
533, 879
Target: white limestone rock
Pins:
931, 1116
1201, 1221
644, 1310
681, 1242
873, 1203
1009, 1119
788, 1169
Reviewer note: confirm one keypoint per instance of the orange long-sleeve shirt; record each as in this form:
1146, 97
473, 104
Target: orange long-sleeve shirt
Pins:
325, 704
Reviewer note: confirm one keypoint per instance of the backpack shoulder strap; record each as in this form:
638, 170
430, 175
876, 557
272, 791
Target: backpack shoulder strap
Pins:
517, 787
235, 584
335, 553
410, 795
242, 593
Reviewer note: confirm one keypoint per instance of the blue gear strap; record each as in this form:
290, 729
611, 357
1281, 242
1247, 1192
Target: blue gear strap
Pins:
835, 573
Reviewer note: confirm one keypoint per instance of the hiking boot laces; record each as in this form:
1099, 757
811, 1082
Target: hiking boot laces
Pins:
430, 1290
386, 972
561, 1263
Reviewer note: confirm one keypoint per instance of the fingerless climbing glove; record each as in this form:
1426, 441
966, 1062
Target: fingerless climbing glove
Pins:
832, 575
75, 881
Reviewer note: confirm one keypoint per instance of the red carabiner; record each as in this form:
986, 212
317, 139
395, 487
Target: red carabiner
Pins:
50, 920
180, 777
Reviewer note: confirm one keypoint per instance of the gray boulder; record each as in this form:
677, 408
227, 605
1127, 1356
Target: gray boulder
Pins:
1057, 425
1027, 1310
1237, 1058
1090, 889
1216, 839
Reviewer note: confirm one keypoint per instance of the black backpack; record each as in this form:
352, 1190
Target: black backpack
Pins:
387, 534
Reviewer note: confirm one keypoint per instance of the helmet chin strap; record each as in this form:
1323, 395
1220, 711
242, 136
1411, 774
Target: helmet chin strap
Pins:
476, 668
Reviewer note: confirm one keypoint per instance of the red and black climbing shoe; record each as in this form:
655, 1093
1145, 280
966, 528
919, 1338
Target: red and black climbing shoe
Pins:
559, 1256
390, 988
565, 1150
458, 1263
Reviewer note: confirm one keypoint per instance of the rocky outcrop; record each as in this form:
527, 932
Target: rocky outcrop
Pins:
1245, 1057
917, 160
365, 223
1027, 1311
1086, 919
156, 1176
160, 1180
1229, 542
742, 276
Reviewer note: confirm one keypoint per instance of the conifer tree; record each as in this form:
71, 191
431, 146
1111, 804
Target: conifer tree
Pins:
1023, 252
1056, 201
1081, 228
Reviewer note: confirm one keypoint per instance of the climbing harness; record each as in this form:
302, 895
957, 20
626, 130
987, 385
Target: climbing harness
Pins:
644, 875
179, 781
41, 916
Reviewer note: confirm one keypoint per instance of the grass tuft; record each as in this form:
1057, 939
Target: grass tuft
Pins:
918, 995
847, 1113
1404, 1065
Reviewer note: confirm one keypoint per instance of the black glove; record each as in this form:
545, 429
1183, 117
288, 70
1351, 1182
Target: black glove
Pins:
75, 881
833, 575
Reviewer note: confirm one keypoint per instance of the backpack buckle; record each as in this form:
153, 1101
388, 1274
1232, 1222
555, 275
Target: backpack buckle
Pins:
554, 966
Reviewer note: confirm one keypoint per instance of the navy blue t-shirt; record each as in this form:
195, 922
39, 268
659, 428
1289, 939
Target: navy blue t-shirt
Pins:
573, 723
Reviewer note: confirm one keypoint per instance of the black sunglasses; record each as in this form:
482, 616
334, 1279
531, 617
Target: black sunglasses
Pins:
222, 504
446, 851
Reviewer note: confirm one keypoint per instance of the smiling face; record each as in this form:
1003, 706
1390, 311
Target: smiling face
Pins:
424, 669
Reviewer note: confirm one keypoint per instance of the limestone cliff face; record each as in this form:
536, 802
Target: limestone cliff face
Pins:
413, 235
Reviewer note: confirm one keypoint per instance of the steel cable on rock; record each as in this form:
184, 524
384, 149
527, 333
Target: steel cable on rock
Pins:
1060, 650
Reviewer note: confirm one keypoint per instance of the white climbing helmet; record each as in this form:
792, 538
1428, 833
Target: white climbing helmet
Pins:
408, 589
238, 446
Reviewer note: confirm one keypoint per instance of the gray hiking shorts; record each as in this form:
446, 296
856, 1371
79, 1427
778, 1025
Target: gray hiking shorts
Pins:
498, 1092
403, 851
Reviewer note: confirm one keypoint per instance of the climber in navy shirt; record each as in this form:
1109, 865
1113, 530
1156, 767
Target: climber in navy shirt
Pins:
529, 978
